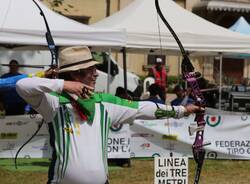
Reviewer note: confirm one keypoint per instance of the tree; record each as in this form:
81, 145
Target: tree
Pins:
57, 3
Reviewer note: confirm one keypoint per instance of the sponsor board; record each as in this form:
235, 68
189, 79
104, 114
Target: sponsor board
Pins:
170, 170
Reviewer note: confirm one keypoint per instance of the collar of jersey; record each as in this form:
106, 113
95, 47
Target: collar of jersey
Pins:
87, 105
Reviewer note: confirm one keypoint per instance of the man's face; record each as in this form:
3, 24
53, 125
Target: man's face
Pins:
13, 68
179, 93
87, 76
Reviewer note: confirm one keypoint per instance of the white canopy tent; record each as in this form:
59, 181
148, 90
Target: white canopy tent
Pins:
197, 35
22, 24
241, 26
145, 31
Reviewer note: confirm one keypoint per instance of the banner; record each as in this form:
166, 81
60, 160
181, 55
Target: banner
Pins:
16, 130
228, 134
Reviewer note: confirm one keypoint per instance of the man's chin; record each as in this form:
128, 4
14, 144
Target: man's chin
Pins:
93, 85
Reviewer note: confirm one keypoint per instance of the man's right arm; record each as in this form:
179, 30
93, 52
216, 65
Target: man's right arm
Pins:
35, 91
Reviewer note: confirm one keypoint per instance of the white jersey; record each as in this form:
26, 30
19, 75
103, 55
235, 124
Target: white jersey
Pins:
80, 146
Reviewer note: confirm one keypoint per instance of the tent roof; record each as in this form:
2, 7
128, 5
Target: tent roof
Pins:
21, 23
241, 26
197, 35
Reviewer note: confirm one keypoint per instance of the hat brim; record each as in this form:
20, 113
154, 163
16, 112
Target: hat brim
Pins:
78, 67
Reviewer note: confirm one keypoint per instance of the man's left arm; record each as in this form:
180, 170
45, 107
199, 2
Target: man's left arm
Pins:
147, 110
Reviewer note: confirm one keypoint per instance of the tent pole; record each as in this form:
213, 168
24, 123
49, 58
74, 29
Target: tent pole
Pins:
247, 69
109, 71
124, 68
220, 88
179, 66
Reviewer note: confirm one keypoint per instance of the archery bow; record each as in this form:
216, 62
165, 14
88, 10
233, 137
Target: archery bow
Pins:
54, 62
191, 77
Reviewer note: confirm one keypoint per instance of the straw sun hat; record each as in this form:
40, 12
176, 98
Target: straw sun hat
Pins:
75, 58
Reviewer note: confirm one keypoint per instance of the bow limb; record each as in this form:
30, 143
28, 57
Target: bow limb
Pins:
191, 77
49, 38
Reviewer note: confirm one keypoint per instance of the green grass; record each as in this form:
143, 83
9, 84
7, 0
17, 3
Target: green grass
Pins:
34, 165
34, 171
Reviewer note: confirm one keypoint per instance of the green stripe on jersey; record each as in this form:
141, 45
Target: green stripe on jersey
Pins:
104, 97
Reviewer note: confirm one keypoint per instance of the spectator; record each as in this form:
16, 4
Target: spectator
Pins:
13, 103
13, 69
210, 92
158, 71
120, 92
155, 92
182, 98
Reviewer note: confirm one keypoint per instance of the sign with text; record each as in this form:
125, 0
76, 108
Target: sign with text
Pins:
119, 142
171, 170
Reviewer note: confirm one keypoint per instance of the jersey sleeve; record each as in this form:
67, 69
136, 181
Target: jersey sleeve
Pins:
35, 91
126, 111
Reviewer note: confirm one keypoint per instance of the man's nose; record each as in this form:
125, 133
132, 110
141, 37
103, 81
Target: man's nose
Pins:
96, 74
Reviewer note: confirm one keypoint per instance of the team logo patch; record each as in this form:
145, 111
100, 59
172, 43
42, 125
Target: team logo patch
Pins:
68, 130
129, 101
213, 120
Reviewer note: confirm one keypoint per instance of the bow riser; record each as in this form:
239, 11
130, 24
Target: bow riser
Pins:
196, 92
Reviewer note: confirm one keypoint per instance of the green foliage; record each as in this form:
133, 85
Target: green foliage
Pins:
56, 3
142, 77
